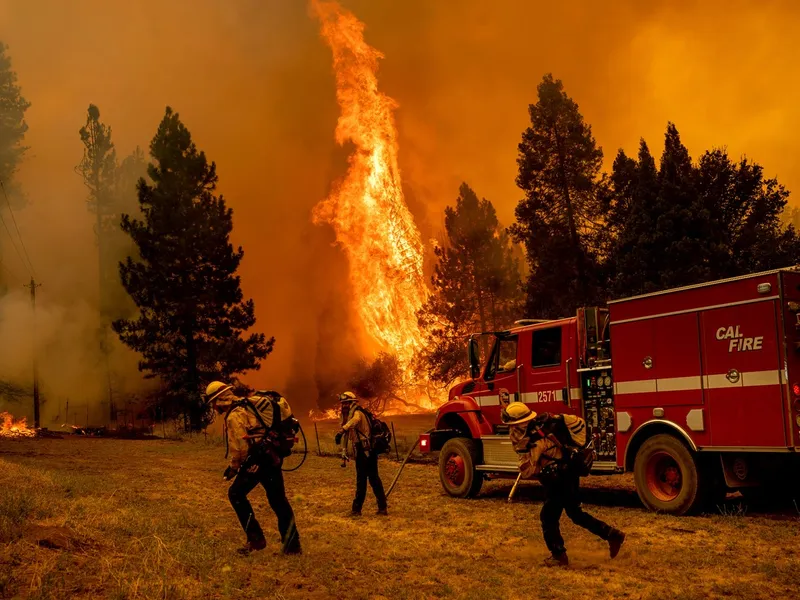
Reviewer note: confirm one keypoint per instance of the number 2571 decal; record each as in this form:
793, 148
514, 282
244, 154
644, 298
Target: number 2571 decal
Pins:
546, 396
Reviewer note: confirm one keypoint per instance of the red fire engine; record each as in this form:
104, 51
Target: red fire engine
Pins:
696, 390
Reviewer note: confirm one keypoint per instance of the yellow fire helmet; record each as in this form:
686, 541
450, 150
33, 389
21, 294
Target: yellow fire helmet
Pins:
347, 397
517, 413
215, 388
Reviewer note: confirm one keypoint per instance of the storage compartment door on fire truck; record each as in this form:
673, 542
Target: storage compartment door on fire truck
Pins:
551, 382
657, 363
743, 378
500, 374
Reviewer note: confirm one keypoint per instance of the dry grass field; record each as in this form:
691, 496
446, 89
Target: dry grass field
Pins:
96, 518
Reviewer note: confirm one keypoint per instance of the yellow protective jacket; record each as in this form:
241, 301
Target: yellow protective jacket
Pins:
243, 427
356, 429
538, 452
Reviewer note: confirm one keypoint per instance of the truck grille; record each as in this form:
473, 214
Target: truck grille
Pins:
499, 451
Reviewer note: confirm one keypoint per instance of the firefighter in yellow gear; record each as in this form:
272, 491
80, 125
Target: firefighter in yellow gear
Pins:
250, 465
356, 432
541, 442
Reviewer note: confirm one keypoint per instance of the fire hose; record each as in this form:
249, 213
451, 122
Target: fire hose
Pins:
400, 470
305, 452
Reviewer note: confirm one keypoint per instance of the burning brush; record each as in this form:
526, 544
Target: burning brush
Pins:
15, 428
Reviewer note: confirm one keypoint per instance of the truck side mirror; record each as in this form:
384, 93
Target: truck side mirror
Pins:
474, 362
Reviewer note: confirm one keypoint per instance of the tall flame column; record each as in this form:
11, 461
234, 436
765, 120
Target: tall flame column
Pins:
367, 209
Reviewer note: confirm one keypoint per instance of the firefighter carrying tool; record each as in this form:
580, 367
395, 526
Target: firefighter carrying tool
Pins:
356, 427
257, 448
547, 446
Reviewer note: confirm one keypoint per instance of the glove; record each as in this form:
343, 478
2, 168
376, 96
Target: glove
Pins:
229, 473
338, 437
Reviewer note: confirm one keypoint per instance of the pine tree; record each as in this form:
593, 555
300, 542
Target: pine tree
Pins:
132, 169
192, 317
559, 220
475, 285
633, 217
683, 223
746, 212
99, 171
12, 124
112, 192
12, 134
683, 226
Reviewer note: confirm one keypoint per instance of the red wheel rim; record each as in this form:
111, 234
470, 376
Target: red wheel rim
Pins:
454, 470
664, 477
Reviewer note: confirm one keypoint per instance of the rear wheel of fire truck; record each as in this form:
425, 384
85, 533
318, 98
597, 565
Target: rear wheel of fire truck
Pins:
457, 471
667, 476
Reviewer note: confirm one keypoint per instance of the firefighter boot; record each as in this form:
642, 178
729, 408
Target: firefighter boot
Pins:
615, 540
254, 543
557, 560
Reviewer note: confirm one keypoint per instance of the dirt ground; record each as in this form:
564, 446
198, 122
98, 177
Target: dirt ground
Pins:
95, 518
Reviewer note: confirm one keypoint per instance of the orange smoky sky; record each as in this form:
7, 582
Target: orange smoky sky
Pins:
253, 81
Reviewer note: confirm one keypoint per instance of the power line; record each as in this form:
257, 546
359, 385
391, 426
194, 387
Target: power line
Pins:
21, 241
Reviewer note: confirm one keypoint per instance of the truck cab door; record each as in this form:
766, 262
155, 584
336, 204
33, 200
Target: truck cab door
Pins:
551, 376
500, 377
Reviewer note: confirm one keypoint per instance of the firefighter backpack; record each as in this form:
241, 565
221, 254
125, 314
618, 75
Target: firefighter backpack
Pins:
579, 455
284, 429
380, 437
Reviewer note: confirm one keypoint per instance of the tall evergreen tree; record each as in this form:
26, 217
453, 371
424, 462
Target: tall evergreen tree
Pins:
111, 192
192, 316
559, 220
683, 228
684, 223
130, 171
633, 219
12, 124
475, 285
12, 133
99, 171
746, 212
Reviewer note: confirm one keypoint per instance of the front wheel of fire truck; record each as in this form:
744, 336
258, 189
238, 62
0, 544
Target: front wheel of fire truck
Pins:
457, 472
667, 476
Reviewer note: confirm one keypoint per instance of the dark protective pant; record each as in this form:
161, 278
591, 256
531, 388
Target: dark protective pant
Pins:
271, 477
367, 468
562, 493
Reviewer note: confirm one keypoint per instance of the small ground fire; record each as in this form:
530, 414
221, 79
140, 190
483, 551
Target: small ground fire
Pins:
15, 428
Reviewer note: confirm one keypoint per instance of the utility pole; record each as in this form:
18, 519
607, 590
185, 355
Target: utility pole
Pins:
33, 285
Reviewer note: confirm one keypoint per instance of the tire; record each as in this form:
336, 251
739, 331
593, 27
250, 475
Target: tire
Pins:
457, 473
667, 476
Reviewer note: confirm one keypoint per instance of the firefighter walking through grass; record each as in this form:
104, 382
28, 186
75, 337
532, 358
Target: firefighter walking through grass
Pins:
357, 432
255, 459
548, 448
